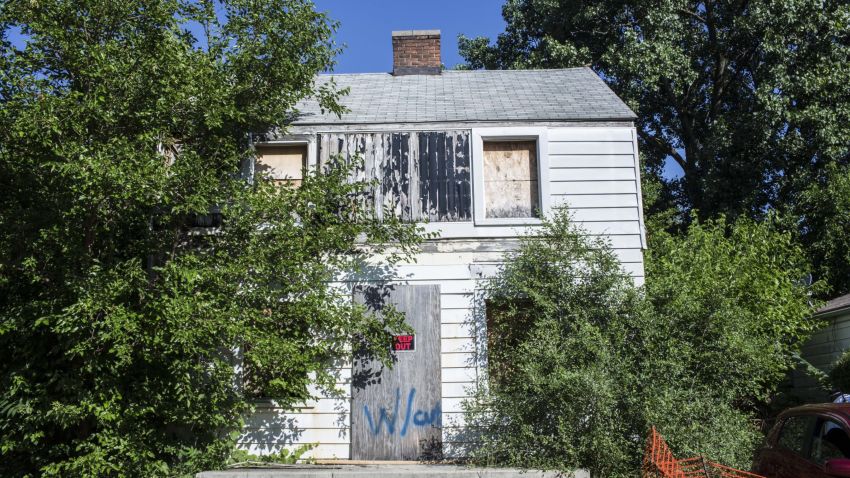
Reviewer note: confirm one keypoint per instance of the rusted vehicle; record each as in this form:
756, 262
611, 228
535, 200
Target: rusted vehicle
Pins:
811, 441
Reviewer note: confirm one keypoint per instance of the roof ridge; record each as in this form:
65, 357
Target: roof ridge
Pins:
507, 70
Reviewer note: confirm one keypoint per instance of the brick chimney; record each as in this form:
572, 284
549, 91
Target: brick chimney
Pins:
416, 52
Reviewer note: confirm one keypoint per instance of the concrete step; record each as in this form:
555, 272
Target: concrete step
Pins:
394, 470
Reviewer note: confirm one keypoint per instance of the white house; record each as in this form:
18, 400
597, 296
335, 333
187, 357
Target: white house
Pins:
824, 347
477, 154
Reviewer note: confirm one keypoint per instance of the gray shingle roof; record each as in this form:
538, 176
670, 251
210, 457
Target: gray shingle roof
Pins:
480, 95
835, 304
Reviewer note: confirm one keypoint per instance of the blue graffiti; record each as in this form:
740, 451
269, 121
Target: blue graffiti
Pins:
420, 418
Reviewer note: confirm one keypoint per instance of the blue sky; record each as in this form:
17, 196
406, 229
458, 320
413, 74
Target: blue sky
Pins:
366, 26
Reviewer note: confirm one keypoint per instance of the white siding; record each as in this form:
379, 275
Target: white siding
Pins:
822, 350
593, 171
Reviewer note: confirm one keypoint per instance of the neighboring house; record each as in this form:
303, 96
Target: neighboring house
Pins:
824, 347
476, 154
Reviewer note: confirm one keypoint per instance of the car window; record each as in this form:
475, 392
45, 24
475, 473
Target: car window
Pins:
796, 433
830, 441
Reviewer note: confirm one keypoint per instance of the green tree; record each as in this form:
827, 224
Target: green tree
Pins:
121, 325
582, 363
750, 98
823, 215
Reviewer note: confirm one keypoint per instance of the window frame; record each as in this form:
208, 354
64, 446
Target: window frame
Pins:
516, 133
806, 451
818, 435
289, 140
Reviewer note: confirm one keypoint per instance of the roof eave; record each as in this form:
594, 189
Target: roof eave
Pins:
631, 119
830, 313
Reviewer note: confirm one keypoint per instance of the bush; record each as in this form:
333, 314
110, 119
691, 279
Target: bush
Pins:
120, 322
839, 374
597, 361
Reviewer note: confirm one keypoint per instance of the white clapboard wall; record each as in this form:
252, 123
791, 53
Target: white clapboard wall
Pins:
594, 173
822, 350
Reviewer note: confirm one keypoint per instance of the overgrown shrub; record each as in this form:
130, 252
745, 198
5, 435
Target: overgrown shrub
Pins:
121, 324
583, 363
839, 374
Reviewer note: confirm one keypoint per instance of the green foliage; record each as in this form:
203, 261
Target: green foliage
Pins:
240, 458
583, 363
824, 212
120, 323
839, 374
741, 288
750, 98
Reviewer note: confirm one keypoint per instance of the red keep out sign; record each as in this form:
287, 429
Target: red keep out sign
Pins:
404, 343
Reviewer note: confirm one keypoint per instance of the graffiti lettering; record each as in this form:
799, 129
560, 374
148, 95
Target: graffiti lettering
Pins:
420, 418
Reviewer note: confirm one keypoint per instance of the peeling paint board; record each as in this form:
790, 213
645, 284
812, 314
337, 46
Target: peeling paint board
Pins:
423, 160
433, 176
451, 191
463, 175
436, 271
396, 413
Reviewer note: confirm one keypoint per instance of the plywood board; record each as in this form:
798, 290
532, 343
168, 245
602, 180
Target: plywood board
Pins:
421, 175
511, 187
282, 162
396, 412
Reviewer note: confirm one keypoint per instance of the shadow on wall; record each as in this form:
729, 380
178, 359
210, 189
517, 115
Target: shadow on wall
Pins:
272, 428
461, 434
367, 370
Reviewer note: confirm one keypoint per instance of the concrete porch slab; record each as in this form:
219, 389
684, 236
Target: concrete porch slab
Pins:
385, 471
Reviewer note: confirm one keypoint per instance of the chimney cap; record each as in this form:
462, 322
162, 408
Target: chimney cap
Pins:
415, 33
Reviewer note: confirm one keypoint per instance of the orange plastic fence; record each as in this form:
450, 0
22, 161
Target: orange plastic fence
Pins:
659, 462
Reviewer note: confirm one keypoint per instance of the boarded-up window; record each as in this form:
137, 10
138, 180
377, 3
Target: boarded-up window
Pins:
508, 325
510, 179
282, 163
422, 175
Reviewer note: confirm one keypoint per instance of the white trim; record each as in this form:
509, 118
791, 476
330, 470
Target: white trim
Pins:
308, 139
644, 245
448, 125
538, 134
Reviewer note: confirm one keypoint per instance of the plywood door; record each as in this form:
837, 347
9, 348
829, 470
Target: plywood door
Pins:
396, 413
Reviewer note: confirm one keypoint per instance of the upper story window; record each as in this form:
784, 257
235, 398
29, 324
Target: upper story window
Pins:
283, 163
422, 175
511, 186
510, 169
